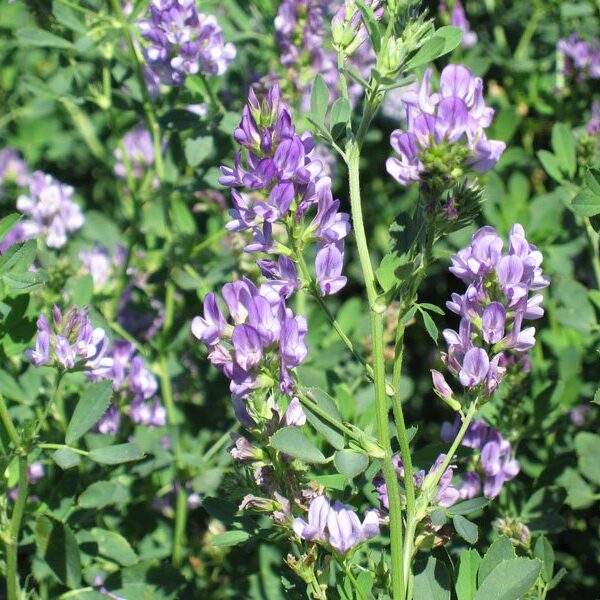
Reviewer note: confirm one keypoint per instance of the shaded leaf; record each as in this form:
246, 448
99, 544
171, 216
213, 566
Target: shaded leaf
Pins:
89, 410
292, 441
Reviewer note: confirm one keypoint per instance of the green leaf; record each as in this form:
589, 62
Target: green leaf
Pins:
38, 37
466, 580
199, 150
510, 580
467, 530
319, 100
501, 550
18, 258
587, 446
443, 41
67, 17
550, 164
25, 282
115, 455
326, 403
371, 23
430, 326
557, 578
579, 493
432, 308
113, 546
7, 223
592, 178
339, 117
431, 581
350, 463
57, 546
468, 506
293, 442
586, 203
182, 217
102, 493
543, 550
91, 406
565, 148
65, 458
230, 538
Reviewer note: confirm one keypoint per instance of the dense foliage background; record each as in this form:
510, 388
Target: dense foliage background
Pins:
156, 527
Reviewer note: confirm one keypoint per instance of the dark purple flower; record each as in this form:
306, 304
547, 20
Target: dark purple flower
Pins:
181, 42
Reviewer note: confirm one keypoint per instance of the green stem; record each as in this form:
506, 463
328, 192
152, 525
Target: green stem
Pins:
8, 424
381, 403
61, 446
180, 523
411, 527
433, 479
12, 542
593, 245
148, 106
52, 401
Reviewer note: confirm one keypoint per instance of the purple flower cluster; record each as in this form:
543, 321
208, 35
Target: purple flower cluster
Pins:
458, 18
71, 343
182, 42
98, 263
447, 493
581, 59
492, 309
262, 345
137, 151
454, 119
282, 182
493, 466
337, 526
136, 386
51, 211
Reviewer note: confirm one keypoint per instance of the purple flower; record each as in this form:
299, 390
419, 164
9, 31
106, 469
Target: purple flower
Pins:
456, 115
581, 59
181, 42
137, 153
282, 181
263, 329
447, 494
136, 386
73, 342
494, 306
458, 18
580, 414
12, 168
497, 463
98, 264
51, 210
35, 472
337, 526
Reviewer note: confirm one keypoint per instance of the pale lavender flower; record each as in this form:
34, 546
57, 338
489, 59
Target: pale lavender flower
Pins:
581, 59
457, 114
97, 263
71, 343
51, 210
337, 526
494, 306
182, 42
137, 151
580, 414
35, 473
262, 329
458, 18
12, 168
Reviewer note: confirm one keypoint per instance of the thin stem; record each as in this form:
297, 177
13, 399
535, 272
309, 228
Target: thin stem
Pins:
411, 527
593, 245
8, 424
12, 543
217, 445
433, 479
52, 401
61, 446
180, 523
381, 402
148, 107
